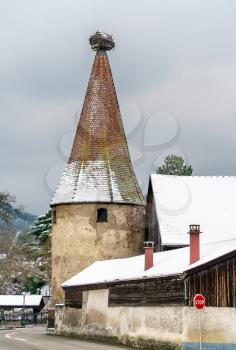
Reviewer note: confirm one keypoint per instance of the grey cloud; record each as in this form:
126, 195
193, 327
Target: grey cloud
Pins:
171, 56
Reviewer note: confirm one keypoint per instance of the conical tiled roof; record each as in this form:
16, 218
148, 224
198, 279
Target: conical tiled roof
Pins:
99, 168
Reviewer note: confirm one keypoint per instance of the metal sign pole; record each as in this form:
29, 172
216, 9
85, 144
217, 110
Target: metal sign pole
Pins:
199, 303
200, 331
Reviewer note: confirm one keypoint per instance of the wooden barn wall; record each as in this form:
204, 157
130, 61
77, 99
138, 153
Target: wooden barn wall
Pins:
73, 297
152, 229
216, 283
160, 292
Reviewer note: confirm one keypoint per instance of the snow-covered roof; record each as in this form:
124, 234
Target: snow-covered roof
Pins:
99, 168
18, 300
209, 201
166, 263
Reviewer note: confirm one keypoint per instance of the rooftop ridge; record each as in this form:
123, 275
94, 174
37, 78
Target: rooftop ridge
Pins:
194, 176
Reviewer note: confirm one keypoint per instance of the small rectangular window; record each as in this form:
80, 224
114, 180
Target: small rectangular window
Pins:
102, 215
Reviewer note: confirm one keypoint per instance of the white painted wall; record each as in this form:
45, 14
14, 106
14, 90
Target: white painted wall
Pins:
169, 324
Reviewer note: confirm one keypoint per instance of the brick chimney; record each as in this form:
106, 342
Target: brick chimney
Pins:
148, 250
194, 232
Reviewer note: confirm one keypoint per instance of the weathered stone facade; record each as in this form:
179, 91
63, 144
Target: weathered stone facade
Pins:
78, 239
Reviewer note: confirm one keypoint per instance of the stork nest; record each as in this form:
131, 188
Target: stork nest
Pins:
101, 41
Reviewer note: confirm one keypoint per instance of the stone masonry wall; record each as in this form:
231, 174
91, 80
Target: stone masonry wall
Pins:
78, 240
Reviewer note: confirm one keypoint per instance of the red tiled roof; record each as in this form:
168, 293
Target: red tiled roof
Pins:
99, 168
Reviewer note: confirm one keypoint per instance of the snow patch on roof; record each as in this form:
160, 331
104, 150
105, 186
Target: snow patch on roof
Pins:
18, 300
206, 200
65, 190
95, 182
166, 263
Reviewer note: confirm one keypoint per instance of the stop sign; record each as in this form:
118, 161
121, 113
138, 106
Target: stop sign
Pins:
199, 301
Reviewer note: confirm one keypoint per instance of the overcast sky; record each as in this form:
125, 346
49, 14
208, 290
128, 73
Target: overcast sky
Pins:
174, 68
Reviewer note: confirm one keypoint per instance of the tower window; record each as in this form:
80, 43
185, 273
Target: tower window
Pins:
102, 215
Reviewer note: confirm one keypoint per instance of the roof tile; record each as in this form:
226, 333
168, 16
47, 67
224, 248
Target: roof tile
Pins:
99, 168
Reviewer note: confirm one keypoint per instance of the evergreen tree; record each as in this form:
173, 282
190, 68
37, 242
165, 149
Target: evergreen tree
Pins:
41, 228
27, 265
174, 165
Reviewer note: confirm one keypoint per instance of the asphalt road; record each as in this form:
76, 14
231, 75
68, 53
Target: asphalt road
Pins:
36, 339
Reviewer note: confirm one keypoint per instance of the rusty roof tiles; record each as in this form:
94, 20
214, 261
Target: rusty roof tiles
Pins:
99, 167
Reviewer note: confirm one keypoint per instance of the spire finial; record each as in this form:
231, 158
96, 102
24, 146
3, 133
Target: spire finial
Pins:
101, 41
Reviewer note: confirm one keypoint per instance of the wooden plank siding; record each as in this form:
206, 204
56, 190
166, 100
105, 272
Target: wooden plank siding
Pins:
73, 297
217, 283
159, 292
152, 231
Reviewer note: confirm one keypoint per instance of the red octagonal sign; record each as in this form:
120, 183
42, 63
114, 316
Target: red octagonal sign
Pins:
199, 301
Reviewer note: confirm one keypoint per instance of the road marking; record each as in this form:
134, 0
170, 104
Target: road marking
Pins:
9, 336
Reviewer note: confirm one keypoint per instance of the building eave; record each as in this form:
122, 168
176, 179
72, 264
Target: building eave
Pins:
52, 205
106, 284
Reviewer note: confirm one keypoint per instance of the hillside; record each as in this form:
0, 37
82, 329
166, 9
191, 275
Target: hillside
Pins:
19, 222
25, 260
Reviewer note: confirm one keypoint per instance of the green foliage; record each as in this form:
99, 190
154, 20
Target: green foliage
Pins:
29, 283
27, 264
41, 228
33, 284
174, 165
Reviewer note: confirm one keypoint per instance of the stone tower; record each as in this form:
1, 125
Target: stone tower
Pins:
98, 207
